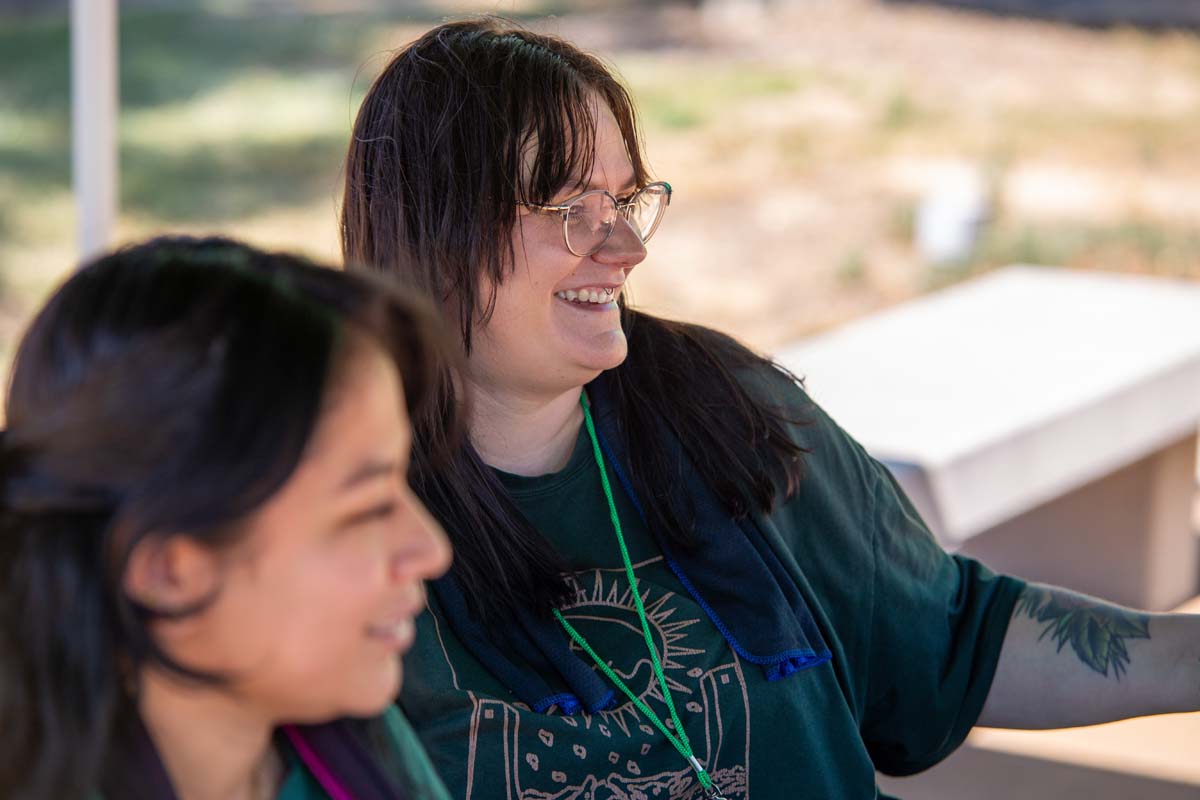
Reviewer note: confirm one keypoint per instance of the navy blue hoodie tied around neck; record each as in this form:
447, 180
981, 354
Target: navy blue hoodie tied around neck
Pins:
733, 574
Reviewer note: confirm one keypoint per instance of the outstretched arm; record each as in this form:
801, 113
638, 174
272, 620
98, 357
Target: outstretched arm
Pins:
1069, 659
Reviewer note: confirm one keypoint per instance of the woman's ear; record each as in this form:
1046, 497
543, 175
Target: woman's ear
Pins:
171, 574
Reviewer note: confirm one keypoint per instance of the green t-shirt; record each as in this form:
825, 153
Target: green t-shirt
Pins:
915, 635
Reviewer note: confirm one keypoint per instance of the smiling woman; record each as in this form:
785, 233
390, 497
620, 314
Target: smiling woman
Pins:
209, 551
675, 575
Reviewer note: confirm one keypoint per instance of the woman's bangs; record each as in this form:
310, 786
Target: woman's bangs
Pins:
560, 135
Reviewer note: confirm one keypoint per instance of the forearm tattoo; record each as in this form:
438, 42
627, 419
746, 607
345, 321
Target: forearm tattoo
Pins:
1097, 632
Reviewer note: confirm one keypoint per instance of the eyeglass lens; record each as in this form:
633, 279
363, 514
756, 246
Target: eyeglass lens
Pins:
591, 218
646, 209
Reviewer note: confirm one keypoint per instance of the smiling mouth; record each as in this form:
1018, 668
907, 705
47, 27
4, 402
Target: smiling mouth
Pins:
599, 295
398, 634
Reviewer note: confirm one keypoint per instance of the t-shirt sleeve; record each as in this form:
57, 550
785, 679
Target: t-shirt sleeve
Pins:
919, 640
938, 624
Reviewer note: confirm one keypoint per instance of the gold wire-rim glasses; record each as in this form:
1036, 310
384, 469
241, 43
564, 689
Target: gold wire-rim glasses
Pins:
623, 210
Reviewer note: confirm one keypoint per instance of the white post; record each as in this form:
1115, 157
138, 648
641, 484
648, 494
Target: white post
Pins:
94, 121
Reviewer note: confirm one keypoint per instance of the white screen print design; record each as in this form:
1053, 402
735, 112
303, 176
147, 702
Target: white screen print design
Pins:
618, 754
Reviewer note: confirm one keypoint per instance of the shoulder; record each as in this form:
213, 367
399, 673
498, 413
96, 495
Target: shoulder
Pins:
703, 358
833, 458
659, 342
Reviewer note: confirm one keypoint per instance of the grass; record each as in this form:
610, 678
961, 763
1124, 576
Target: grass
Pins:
237, 123
1150, 138
219, 115
1133, 246
852, 269
899, 112
671, 97
225, 119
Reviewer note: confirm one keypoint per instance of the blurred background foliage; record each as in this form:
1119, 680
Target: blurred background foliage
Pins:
802, 137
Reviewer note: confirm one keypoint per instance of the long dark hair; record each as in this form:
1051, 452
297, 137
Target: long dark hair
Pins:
462, 126
166, 389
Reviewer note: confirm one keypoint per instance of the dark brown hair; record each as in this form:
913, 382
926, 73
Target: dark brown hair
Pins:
463, 125
166, 389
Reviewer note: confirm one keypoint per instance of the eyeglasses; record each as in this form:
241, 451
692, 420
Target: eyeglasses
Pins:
590, 218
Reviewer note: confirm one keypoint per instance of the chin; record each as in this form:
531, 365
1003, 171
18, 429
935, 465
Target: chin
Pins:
373, 696
585, 374
609, 358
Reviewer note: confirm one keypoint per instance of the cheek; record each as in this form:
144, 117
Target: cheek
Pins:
521, 300
542, 263
334, 599
312, 655
519, 326
523, 318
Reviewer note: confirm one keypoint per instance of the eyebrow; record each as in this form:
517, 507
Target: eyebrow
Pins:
370, 471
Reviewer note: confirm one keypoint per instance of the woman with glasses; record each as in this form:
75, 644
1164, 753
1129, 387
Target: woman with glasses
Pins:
675, 576
210, 556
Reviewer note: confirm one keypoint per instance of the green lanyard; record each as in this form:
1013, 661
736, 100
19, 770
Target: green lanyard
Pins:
679, 739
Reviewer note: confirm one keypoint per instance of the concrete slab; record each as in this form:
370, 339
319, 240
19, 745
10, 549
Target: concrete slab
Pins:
1013, 389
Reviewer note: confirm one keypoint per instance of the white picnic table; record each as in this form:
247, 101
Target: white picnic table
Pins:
1041, 419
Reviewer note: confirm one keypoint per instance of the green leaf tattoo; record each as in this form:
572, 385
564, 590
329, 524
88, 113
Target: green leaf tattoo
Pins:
1096, 632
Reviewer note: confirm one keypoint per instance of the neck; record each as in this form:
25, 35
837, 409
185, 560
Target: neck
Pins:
212, 746
524, 433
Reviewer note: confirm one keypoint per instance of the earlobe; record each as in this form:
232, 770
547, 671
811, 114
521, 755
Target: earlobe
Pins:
171, 574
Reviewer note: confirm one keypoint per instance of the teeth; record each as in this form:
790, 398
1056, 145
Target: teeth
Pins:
396, 630
596, 296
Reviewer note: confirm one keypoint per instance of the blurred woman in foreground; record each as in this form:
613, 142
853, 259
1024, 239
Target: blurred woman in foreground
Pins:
210, 557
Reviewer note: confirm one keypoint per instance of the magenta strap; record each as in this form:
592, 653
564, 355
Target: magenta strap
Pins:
316, 766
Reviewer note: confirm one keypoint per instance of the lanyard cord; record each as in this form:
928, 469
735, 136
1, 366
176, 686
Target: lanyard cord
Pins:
679, 740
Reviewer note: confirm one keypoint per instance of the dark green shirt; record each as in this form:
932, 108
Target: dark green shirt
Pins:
915, 635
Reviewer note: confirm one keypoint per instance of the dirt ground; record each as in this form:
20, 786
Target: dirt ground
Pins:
800, 141
794, 207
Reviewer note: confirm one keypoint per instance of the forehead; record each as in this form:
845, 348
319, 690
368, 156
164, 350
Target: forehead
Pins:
608, 165
363, 423
612, 163
365, 392
363, 420
611, 167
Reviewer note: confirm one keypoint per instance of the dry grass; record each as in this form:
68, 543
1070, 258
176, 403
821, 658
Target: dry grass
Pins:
799, 145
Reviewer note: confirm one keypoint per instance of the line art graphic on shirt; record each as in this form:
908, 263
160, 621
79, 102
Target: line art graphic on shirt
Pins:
617, 754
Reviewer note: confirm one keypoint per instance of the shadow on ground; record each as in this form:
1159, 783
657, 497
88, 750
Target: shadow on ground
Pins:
1149, 14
